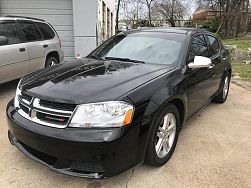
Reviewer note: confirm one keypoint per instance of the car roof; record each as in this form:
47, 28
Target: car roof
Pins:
178, 30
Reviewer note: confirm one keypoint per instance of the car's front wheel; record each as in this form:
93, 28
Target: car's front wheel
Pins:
164, 136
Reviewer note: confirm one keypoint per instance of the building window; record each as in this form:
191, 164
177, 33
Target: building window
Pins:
111, 24
108, 24
103, 20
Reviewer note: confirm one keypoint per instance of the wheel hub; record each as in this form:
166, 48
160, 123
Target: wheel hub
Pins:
165, 135
52, 63
225, 88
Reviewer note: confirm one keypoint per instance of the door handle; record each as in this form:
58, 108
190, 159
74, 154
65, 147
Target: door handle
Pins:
45, 46
21, 49
224, 58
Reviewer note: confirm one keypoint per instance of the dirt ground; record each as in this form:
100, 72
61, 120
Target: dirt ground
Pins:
214, 150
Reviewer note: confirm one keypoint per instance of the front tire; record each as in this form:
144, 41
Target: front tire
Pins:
222, 96
164, 136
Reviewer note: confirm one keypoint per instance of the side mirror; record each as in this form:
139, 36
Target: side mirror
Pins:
3, 40
200, 62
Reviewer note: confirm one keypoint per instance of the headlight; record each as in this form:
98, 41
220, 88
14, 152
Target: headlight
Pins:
105, 114
18, 92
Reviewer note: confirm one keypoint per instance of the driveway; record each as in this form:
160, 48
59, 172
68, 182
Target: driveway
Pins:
214, 150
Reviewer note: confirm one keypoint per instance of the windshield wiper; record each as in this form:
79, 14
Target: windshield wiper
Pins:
124, 59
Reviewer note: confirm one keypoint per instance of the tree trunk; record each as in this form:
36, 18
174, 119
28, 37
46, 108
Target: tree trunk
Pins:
149, 15
172, 23
172, 16
226, 19
246, 20
117, 16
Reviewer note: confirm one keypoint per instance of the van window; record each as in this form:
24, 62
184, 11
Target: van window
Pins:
31, 33
46, 30
9, 30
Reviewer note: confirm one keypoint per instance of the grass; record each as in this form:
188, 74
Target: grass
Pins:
243, 44
241, 69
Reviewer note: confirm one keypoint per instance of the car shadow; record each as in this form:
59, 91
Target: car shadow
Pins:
8, 88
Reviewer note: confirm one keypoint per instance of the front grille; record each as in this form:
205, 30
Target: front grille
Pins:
52, 114
26, 97
57, 105
24, 108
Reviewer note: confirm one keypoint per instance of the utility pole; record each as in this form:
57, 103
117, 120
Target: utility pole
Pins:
117, 16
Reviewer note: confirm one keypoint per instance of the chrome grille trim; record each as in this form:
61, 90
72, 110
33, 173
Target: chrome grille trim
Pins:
36, 104
35, 107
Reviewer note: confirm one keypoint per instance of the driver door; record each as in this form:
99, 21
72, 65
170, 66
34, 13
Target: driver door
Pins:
200, 79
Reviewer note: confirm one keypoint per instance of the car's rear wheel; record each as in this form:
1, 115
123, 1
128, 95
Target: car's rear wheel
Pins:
222, 96
164, 136
50, 61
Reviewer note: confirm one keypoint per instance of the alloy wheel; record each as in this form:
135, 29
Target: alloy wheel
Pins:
225, 87
165, 135
52, 63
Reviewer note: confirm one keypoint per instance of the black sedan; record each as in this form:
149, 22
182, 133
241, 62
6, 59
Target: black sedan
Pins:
122, 105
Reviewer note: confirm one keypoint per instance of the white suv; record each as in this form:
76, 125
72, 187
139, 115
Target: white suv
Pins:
26, 45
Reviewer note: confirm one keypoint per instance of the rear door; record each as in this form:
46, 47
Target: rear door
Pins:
199, 80
51, 41
216, 58
14, 61
34, 43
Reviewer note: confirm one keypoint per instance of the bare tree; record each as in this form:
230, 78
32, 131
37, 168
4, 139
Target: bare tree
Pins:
233, 13
133, 10
171, 10
149, 7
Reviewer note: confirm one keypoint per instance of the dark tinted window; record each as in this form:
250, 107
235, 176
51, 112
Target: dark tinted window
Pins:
31, 33
215, 46
46, 30
9, 30
198, 47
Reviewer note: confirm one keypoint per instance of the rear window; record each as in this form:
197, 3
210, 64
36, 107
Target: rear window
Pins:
46, 30
31, 33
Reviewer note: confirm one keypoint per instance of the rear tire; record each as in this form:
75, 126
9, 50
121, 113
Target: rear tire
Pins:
50, 61
222, 96
164, 136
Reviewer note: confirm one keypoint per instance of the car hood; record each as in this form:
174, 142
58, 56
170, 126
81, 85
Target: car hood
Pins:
89, 80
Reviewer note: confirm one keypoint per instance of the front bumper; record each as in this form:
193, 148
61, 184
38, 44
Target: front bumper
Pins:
92, 153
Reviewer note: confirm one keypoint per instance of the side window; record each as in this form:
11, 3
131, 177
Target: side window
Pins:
9, 30
31, 33
46, 30
214, 44
198, 47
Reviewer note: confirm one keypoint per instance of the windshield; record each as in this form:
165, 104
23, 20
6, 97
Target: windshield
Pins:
155, 48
